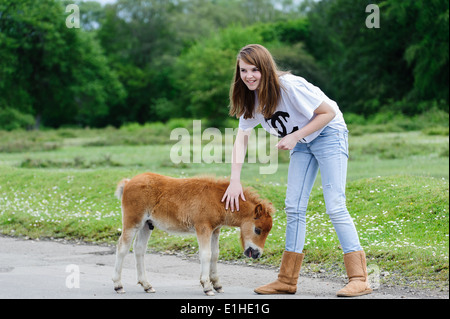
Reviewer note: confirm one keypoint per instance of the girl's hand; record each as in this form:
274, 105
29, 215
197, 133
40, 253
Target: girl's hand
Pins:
231, 196
288, 142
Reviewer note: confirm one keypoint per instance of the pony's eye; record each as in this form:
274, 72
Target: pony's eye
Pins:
258, 231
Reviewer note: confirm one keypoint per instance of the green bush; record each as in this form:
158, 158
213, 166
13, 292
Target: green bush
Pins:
353, 118
180, 123
12, 119
431, 122
436, 130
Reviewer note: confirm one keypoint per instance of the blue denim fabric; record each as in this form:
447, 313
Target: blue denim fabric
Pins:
329, 153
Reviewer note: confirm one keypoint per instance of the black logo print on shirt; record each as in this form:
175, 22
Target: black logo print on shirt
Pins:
278, 121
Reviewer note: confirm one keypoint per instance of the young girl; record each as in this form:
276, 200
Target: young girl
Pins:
311, 126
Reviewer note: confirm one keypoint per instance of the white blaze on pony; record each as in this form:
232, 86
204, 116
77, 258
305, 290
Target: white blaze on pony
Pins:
186, 205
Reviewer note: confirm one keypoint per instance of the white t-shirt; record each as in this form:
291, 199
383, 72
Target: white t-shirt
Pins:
299, 99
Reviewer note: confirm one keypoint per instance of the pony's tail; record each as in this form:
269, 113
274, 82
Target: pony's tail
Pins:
120, 187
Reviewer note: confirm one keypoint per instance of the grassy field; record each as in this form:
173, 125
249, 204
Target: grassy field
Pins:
60, 184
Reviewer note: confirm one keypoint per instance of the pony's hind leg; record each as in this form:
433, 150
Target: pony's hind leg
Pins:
123, 247
204, 243
214, 258
140, 246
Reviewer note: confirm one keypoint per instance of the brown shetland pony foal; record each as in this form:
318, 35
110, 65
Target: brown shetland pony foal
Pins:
183, 206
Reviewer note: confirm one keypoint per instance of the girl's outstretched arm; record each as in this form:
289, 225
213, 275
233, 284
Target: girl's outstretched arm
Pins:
234, 190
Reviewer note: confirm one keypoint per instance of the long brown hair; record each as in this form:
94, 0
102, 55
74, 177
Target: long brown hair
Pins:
269, 91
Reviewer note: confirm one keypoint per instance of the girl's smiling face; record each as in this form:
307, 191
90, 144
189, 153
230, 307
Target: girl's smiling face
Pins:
250, 75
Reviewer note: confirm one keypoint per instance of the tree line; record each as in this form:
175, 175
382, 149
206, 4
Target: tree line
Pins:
152, 60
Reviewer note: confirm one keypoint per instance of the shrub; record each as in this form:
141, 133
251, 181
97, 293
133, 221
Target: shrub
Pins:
436, 130
353, 118
11, 119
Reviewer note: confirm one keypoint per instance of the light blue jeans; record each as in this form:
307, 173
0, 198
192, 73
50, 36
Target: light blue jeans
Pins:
329, 153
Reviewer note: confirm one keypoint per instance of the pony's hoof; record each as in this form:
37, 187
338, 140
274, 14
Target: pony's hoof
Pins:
209, 293
119, 290
147, 287
219, 290
150, 290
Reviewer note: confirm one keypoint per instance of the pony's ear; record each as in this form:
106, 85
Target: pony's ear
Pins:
258, 211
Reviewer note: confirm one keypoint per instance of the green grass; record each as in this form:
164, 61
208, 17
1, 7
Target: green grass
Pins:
397, 193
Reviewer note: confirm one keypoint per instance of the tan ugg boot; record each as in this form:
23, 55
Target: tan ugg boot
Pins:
287, 277
355, 264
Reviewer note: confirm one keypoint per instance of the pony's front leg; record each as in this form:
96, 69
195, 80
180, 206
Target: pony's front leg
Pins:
204, 243
214, 258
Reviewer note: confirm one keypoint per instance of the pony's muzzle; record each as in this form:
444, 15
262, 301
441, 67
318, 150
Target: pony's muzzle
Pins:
252, 253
